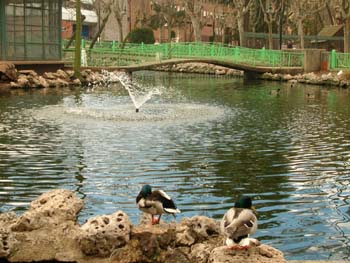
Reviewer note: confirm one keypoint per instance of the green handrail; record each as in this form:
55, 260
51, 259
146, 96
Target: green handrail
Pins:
115, 54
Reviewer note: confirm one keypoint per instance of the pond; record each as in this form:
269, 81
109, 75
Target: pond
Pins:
204, 140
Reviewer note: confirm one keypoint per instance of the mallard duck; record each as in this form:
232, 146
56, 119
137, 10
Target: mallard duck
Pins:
275, 92
238, 223
310, 96
155, 203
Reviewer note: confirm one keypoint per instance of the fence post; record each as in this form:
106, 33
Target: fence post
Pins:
113, 45
190, 50
235, 53
212, 50
333, 59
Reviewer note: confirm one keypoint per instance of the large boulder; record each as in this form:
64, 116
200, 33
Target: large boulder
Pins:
51, 208
101, 235
259, 254
49, 231
8, 71
196, 229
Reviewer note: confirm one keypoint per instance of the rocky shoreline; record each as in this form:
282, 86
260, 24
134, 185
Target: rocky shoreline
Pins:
26, 79
49, 231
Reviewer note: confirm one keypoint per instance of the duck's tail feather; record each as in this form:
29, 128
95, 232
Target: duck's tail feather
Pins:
172, 210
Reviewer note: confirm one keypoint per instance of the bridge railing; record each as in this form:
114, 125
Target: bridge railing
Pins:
339, 60
130, 54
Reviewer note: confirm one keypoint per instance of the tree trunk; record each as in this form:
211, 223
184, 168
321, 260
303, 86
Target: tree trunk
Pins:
77, 54
73, 35
347, 36
301, 33
169, 33
104, 22
240, 24
269, 25
161, 34
120, 25
196, 29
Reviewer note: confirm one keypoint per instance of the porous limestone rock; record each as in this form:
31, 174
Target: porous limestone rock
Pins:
260, 254
102, 234
196, 229
49, 231
7, 71
50, 208
200, 252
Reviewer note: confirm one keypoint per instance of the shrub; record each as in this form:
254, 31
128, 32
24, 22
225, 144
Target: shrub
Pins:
142, 35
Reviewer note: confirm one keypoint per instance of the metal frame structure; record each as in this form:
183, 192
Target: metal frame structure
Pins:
30, 30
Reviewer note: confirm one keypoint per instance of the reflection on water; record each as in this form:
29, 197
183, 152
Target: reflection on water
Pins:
205, 140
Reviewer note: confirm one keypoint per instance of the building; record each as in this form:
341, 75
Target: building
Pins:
89, 24
30, 30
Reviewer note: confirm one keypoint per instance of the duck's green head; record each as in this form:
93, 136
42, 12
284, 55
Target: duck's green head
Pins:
244, 202
146, 190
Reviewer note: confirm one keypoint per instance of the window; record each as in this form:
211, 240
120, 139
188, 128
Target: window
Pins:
31, 29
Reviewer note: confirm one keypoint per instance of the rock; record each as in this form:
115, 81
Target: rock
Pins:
50, 223
7, 242
22, 82
49, 209
8, 70
260, 254
174, 255
49, 75
61, 74
49, 231
102, 234
28, 72
200, 252
76, 82
42, 82
203, 227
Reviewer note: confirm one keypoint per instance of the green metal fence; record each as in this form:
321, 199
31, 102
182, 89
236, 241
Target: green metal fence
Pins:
114, 54
340, 60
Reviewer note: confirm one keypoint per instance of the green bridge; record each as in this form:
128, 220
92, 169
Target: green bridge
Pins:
134, 57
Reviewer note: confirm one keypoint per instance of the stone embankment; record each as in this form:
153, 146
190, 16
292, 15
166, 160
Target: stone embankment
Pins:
64, 78
49, 231
201, 68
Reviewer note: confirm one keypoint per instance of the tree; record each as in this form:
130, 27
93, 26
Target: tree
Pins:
302, 9
194, 9
342, 9
241, 7
77, 52
271, 10
167, 13
119, 10
103, 10
254, 18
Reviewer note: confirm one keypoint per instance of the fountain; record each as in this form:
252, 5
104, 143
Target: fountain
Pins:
138, 93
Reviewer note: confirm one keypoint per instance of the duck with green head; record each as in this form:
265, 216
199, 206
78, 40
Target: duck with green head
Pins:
155, 203
239, 223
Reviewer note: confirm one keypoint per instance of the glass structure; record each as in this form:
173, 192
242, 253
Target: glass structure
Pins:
30, 30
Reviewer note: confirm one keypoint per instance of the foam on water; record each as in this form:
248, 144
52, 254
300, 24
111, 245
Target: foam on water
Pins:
162, 112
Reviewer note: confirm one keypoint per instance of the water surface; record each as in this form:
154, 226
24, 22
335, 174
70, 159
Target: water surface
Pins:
205, 140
